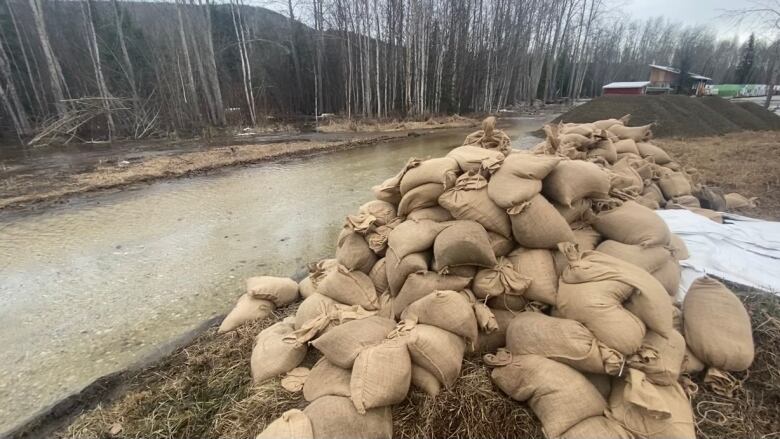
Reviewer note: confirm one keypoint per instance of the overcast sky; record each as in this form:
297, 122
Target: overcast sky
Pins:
707, 12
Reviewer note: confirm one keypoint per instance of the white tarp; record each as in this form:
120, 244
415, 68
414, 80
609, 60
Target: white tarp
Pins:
743, 250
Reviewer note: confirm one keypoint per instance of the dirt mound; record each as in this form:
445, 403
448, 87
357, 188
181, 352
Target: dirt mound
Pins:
770, 119
675, 115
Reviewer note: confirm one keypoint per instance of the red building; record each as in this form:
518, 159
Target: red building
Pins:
625, 88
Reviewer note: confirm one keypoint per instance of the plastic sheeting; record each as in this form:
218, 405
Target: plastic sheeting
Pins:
743, 250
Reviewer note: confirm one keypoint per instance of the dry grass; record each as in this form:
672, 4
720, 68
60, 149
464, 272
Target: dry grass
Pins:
204, 391
746, 162
339, 125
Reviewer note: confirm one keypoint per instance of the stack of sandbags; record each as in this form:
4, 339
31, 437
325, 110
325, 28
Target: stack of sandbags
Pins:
552, 255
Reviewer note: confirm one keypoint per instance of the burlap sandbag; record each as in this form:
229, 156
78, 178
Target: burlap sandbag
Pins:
738, 201
419, 285
306, 287
436, 170
434, 213
563, 340
586, 238
692, 365
390, 189
625, 182
342, 344
649, 259
491, 341
247, 309
633, 224
602, 383
669, 275
414, 236
381, 375
650, 411
463, 243
597, 427
674, 184
378, 276
311, 307
573, 180
469, 200
501, 245
603, 151
536, 224
422, 196
446, 310
438, 351
660, 358
575, 212
335, 417
519, 178
717, 327
272, 355
678, 248
501, 279
399, 269
325, 379
490, 138
686, 200
317, 272
658, 155
647, 202
539, 266
637, 134
425, 381
354, 253
508, 302
382, 211
293, 424
474, 158
584, 129
626, 146
605, 124
282, 291
350, 288
576, 141
559, 395
461, 270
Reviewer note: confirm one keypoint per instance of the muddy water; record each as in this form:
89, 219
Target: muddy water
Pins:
88, 288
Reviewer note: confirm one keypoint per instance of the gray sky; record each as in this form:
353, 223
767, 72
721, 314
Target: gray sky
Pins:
706, 12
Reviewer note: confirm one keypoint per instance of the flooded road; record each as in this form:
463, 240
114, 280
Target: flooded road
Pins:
88, 288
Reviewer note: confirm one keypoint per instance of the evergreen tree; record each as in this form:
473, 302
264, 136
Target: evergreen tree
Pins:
745, 67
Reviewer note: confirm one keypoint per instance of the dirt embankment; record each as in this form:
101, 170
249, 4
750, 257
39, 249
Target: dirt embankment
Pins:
338, 125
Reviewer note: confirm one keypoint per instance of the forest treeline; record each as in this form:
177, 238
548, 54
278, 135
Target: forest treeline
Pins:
97, 69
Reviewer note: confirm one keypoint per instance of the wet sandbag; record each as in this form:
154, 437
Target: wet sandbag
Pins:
650, 411
423, 196
649, 259
626, 146
501, 245
634, 224
575, 212
573, 180
342, 344
282, 291
381, 375
669, 275
536, 224
414, 236
350, 288
475, 159
563, 340
717, 327
463, 243
419, 285
637, 134
660, 358
438, 351
378, 276
354, 253
674, 184
399, 269
538, 266
442, 170
325, 379
448, 310
678, 248
434, 213
560, 396
658, 155
469, 200
293, 424
247, 309
519, 178
491, 341
597, 427
272, 355
335, 417
501, 279
425, 381
311, 308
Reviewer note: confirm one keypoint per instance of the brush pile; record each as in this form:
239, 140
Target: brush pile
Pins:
551, 263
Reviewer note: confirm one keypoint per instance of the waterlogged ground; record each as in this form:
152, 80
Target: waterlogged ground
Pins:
90, 287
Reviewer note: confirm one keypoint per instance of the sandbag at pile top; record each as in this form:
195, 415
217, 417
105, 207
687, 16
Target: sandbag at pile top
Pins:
247, 309
476, 159
573, 180
519, 178
272, 355
559, 395
335, 417
717, 327
281, 291
442, 170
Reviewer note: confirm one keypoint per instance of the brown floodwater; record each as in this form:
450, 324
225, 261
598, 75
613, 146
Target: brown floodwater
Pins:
90, 287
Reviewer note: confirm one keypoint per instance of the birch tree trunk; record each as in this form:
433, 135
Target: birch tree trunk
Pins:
55, 71
94, 53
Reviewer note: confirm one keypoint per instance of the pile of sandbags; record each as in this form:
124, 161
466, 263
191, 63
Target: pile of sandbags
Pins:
550, 262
